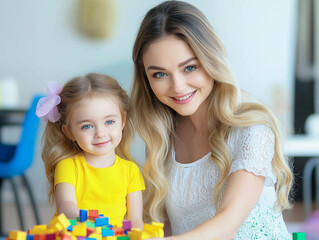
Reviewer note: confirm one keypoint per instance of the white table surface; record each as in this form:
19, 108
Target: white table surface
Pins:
301, 146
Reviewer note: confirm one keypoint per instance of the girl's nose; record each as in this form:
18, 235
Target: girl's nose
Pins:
100, 132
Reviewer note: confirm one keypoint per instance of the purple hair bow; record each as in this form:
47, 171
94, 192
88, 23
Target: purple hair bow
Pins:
47, 106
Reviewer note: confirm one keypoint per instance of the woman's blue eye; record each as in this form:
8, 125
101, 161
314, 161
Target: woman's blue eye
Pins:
86, 127
190, 68
159, 75
109, 122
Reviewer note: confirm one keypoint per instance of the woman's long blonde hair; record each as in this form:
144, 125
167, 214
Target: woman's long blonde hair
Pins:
155, 122
57, 146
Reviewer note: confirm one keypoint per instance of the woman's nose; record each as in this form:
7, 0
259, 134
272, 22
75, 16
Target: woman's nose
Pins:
178, 83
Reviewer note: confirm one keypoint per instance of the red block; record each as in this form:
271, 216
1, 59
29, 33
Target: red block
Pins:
118, 231
89, 231
39, 237
93, 214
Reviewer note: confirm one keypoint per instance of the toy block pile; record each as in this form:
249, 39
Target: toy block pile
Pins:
90, 225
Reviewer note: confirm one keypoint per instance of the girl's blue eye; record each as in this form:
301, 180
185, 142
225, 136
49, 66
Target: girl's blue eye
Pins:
190, 68
108, 122
159, 75
86, 127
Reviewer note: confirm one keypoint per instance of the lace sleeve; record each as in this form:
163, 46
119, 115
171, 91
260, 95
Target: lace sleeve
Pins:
252, 149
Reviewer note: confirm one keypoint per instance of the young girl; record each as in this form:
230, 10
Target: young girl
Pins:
85, 143
215, 167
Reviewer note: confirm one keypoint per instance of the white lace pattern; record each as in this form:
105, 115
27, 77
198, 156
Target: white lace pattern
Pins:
190, 199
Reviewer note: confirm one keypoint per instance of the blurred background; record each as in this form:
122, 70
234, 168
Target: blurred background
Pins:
271, 48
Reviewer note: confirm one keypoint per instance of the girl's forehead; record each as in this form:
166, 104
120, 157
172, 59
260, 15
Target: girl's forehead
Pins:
95, 102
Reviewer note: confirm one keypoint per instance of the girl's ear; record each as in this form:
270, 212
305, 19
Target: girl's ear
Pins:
67, 133
123, 119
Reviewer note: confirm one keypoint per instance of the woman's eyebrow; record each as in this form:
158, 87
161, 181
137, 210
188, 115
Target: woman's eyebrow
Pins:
186, 61
155, 68
179, 65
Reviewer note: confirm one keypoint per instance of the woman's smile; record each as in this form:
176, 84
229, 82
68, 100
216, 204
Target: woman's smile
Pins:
184, 98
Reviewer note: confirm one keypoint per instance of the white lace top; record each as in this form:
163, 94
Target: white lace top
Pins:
190, 199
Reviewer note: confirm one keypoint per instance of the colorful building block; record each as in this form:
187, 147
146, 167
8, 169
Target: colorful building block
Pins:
110, 238
61, 228
127, 225
93, 214
18, 235
102, 221
80, 230
83, 215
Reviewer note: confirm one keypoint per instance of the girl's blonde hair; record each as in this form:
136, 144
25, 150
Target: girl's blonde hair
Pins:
154, 120
57, 145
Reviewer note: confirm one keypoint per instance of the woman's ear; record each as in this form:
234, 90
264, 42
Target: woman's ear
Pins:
123, 119
67, 132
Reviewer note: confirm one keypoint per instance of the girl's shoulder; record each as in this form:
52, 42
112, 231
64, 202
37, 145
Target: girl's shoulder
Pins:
127, 164
71, 161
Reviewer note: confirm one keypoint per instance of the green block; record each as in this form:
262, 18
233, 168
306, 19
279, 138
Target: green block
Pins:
73, 222
123, 238
298, 236
90, 224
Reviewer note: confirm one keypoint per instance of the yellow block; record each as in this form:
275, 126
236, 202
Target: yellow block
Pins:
110, 238
156, 229
146, 235
98, 230
40, 227
96, 236
57, 227
79, 230
18, 235
62, 219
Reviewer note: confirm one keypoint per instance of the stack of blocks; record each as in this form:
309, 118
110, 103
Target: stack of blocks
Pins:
90, 225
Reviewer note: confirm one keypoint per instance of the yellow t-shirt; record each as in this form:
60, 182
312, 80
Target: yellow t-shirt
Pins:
103, 189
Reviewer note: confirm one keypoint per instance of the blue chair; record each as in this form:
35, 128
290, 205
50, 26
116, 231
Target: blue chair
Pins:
16, 159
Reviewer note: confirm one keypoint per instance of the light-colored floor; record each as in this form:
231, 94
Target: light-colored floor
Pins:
293, 217
10, 219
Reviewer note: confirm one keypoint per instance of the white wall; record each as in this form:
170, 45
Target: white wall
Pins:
39, 42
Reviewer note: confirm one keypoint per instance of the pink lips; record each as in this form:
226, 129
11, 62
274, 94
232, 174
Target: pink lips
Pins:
101, 144
184, 98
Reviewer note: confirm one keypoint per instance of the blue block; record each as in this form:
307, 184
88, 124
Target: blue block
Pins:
29, 237
83, 215
102, 221
107, 232
69, 228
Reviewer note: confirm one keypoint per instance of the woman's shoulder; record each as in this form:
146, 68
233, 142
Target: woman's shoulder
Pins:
251, 136
251, 131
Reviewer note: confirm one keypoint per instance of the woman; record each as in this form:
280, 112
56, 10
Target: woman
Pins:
215, 167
